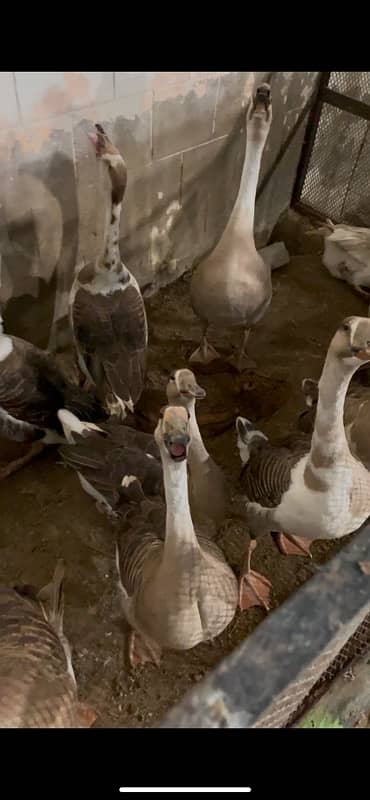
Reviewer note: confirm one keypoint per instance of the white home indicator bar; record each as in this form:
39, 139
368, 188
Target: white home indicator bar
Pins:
129, 789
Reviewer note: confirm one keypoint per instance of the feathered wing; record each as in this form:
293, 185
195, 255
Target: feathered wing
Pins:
355, 241
111, 331
266, 476
33, 389
36, 689
118, 472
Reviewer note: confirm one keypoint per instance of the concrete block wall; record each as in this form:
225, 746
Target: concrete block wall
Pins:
182, 136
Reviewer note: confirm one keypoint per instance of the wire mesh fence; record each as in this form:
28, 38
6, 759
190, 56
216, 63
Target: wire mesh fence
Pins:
336, 165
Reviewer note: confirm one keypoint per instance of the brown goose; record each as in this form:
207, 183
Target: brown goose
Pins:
32, 390
107, 310
208, 488
324, 492
117, 464
37, 682
231, 288
178, 592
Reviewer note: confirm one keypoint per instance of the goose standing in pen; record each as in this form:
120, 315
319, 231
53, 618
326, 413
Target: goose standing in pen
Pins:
117, 464
231, 288
325, 492
32, 390
176, 591
37, 682
107, 310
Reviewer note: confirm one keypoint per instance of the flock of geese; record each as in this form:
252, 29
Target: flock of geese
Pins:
167, 495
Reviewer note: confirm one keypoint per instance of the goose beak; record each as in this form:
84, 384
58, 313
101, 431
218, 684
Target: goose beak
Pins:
177, 446
263, 97
362, 355
199, 392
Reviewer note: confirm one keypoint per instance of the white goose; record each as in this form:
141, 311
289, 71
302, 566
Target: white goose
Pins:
347, 254
231, 288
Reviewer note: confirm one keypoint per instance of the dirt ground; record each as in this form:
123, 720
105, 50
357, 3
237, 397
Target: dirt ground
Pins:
45, 514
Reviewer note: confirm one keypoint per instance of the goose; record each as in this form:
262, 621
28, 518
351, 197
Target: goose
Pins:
117, 465
232, 287
318, 491
37, 682
32, 389
347, 254
356, 417
176, 588
107, 311
208, 488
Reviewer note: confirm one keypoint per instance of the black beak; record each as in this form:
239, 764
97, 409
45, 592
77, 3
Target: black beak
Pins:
263, 97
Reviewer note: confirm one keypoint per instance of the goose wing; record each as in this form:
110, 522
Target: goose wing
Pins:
355, 241
266, 476
36, 688
111, 330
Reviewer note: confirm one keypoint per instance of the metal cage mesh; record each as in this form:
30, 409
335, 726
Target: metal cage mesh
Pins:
290, 704
338, 175
336, 178
351, 84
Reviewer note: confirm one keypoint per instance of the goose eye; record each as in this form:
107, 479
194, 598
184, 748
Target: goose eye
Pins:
172, 377
346, 326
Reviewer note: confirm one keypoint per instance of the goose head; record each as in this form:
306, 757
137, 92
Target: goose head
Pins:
103, 146
259, 112
246, 434
351, 343
182, 388
106, 151
306, 418
172, 433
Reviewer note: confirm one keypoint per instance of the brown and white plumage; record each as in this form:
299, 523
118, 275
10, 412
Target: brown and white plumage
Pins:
107, 310
32, 390
179, 591
115, 464
108, 457
37, 683
356, 417
324, 493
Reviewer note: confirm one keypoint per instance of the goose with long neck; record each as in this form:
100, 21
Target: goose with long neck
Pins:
356, 417
325, 492
231, 288
107, 310
208, 487
178, 592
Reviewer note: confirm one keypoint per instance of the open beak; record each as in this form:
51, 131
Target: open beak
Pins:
177, 446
